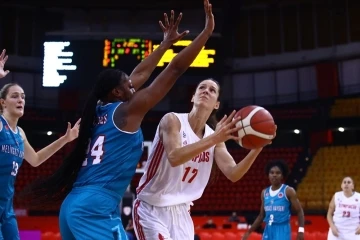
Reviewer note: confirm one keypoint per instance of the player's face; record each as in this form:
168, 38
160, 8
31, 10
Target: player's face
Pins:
275, 176
14, 102
207, 94
347, 184
127, 89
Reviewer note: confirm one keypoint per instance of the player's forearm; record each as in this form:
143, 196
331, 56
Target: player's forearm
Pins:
301, 219
184, 154
329, 218
242, 167
143, 70
50, 150
183, 60
256, 223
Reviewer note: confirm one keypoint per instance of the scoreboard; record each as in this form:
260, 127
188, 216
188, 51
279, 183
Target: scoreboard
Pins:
76, 63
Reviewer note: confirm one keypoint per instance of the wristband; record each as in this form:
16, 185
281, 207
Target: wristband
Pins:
301, 229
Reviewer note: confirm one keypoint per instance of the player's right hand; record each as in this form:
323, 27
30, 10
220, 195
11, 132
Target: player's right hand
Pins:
3, 58
170, 28
334, 231
210, 22
226, 128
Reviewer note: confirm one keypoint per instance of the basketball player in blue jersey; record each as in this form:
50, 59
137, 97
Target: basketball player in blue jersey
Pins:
276, 203
96, 173
14, 147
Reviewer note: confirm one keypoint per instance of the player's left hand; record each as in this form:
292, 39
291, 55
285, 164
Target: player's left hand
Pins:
274, 135
300, 236
170, 29
357, 232
72, 133
3, 59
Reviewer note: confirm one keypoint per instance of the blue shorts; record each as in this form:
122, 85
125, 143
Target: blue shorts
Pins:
91, 213
8, 224
277, 232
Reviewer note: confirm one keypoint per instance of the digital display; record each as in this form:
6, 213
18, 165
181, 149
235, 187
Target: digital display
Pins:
203, 60
55, 59
76, 63
121, 48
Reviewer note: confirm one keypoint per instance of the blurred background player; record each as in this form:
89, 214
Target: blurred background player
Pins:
116, 142
344, 213
276, 205
14, 147
180, 165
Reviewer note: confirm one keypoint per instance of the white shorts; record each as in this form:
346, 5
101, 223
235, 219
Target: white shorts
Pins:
170, 223
343, 235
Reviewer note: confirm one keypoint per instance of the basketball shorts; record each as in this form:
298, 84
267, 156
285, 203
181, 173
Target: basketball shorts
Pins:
277, 232
343, 235
170, 223
8, 224
91, 213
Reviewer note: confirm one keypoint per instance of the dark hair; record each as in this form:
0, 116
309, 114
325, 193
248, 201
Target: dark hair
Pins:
4, 92
212, 121
281, 164
55, 187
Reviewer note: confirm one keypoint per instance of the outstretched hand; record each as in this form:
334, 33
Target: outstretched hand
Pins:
3, 59
170, 29
72, 133
209, 16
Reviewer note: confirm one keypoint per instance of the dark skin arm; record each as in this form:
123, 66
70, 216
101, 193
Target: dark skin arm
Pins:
131, 113
291, 195
143, 70
258, 220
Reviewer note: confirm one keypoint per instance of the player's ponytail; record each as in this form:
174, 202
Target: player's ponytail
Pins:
54, 188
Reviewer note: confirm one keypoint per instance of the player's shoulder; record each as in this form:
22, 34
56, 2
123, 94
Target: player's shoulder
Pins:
356, 194
171, 117
170, 120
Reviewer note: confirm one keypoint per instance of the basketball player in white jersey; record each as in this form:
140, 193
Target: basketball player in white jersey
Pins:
344, 213
179, 166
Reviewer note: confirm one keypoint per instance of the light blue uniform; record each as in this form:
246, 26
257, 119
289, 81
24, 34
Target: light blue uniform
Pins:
277, 215
11, 158
91, 210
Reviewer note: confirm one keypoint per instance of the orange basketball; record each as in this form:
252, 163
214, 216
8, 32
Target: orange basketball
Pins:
257, 127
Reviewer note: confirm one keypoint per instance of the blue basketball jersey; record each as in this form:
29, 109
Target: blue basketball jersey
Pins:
277, 208
11, 158
113, 154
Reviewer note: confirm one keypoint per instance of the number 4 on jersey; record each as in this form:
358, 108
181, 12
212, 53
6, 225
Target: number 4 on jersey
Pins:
97, 151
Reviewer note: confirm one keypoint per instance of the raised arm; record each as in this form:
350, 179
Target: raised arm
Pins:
147, 98
37, 158
178, 154
258, 220
228, 166
3, 59
143, 70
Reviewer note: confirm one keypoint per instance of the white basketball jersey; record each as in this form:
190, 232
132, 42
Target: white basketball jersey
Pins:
164, 185
347, 211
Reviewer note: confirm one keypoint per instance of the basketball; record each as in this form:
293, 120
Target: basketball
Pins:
257, 127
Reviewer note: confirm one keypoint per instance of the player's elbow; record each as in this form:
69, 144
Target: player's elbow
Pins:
175, 69
173, 159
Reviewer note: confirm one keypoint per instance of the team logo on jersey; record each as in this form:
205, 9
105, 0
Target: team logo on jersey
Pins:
184, 134
356, 200
280, 195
